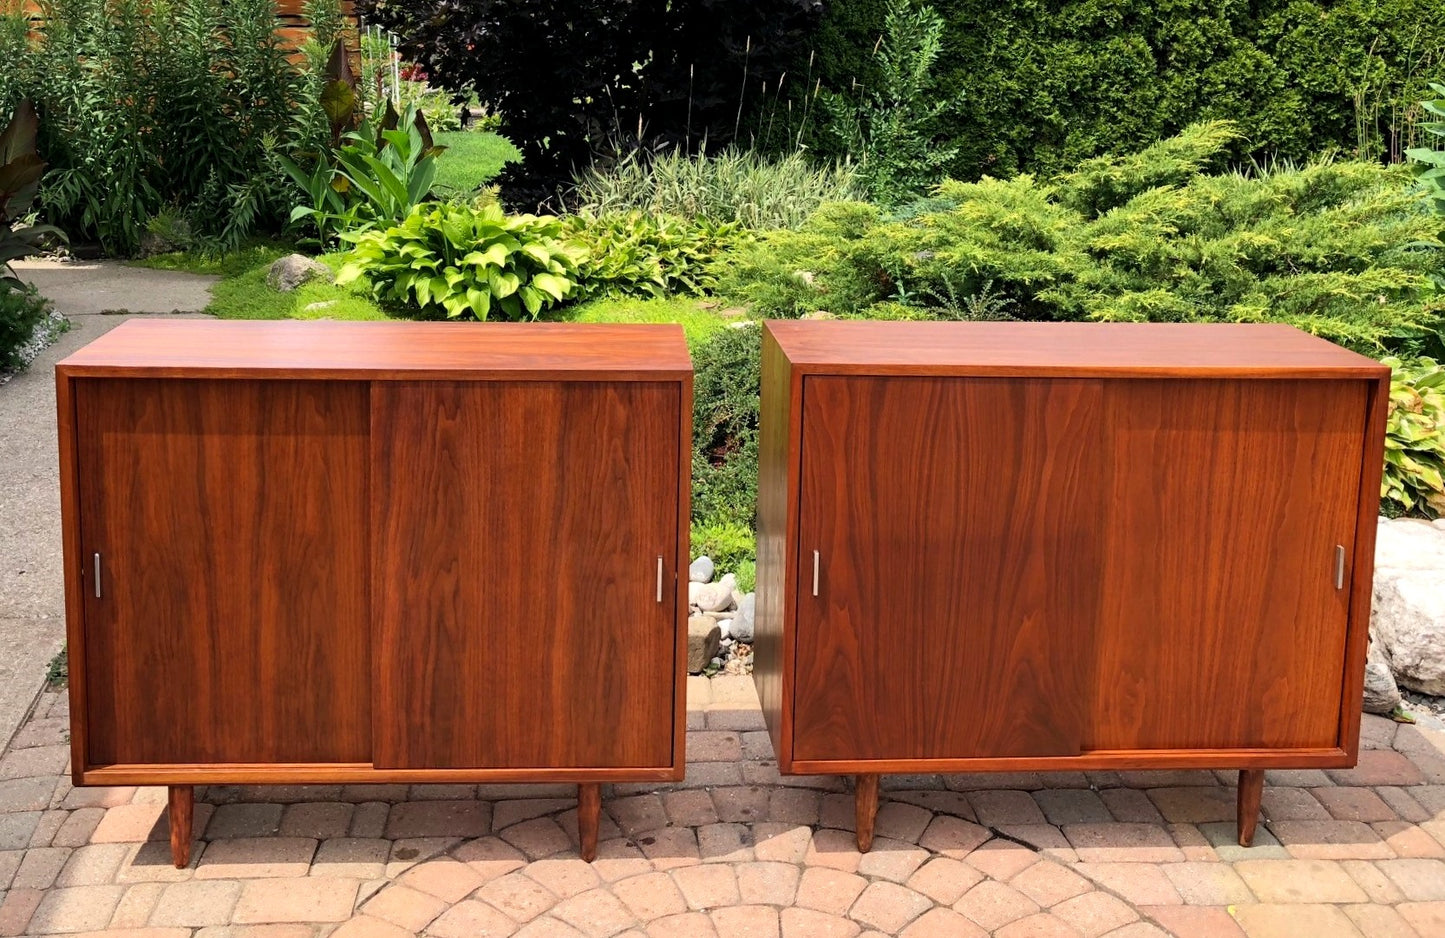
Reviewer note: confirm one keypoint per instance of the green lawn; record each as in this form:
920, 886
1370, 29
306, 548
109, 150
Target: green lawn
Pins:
472, 159
697, 323
242, 292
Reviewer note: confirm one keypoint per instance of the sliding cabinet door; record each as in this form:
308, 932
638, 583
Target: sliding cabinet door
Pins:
224, 559
949, 548
1224, 618
522, 618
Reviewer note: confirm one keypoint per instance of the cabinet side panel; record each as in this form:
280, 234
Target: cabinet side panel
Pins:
230, 519
516, 573
1222, 626
955, 524
72, 567
779, 416
1362, 566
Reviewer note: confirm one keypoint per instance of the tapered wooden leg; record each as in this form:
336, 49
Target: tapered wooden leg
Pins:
589, 815
865, 809
1251, 787
182, 803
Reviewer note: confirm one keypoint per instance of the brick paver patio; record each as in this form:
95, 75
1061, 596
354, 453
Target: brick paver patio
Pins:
736, 851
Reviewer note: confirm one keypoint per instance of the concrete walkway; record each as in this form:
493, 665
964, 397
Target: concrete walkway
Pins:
32, 604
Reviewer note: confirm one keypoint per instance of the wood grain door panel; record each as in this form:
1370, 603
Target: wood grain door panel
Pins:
517, 545
957, 528
233, 621
1221, 625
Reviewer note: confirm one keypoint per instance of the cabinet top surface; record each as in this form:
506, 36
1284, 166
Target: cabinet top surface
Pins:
1065, 349
383, 350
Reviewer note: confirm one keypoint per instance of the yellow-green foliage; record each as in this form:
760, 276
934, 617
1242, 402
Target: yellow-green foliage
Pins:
1339, 248
1414, 478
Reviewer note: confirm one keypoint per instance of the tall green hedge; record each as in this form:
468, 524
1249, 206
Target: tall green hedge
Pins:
1043, 85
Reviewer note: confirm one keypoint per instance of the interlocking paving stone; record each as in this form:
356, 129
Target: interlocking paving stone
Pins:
736, 850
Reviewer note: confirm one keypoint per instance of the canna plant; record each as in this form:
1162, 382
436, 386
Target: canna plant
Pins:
369, 174
21, 169
457, 262
1414, 480
1432, 160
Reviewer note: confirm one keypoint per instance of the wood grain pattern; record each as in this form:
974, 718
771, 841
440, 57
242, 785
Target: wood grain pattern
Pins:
231, 522
380, 351
1025, 349
956, 526
515, 575
778, 467
1229, 454
1221, 625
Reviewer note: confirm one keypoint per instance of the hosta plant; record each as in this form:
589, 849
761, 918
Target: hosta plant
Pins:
636, 253
1414, 479
461, 261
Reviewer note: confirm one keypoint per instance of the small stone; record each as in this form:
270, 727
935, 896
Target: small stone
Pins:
318, 306
291, 271
701, 570
735, 666
714, 597
742, 623
1408, 615
703, 639
725, 627
1381, 693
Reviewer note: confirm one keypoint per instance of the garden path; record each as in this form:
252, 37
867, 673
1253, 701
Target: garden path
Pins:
32, 623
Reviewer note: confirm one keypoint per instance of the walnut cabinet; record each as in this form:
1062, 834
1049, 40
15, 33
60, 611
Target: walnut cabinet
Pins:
1023, 547
376, 552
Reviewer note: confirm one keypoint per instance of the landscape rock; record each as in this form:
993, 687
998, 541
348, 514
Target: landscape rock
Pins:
701, 570
742, 623
703, 640
725, 626
1408, 614
714, 597
289, 272
1381, 693
694, 590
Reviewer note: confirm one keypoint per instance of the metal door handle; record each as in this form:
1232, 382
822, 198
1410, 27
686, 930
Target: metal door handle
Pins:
815, 573
97, 575
1339, 567
659, 579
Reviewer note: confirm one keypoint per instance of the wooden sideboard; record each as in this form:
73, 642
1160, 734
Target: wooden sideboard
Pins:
1029, 546
376, 552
